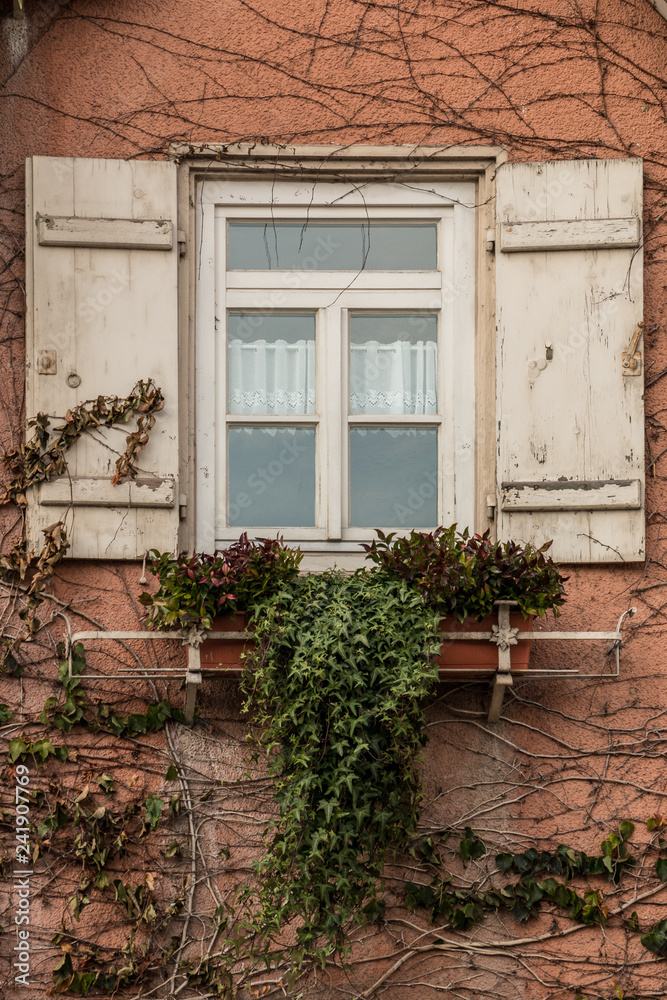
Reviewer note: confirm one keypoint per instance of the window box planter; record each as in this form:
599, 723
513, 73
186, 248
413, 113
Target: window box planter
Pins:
223, 653
463, 656
457, 657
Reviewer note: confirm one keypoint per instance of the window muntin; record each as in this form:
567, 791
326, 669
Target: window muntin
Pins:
440, 301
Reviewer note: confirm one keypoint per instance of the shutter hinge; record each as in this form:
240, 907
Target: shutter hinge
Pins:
182, 506
182, 241
632, 358
491, 240
491, 506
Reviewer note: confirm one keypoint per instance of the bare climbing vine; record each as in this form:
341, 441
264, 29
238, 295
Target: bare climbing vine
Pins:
42, 458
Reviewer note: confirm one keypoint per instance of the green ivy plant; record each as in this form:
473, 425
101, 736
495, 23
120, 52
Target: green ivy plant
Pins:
337, 683
463, 908
464, 575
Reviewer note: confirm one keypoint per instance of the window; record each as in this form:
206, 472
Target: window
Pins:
335, 358
339, 345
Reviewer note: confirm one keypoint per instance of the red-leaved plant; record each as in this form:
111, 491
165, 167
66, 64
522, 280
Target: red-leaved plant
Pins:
194, 589
463, 575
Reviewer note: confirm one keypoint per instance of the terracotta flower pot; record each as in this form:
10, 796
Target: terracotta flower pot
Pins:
225, 654
468, 656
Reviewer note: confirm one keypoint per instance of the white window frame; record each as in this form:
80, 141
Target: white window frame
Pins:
389, 182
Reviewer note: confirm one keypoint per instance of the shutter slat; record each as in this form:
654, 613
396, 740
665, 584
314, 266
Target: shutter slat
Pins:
149, 234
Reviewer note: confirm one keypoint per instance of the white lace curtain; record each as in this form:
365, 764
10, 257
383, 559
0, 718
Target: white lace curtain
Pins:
279, 377
273, 377
400, 377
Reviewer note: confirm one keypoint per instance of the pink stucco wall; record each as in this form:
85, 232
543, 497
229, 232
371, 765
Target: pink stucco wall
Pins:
546, 80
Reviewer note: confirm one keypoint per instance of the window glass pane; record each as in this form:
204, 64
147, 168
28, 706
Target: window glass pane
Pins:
393, 363
393, 477
332, 246
271, 362
272, 476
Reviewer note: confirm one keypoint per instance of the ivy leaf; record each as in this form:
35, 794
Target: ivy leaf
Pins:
12, 666
661, 869
64, 970
626, 829
81, 983
154, 806
105, 781
171, 774
17, 748
471, 848
656, 939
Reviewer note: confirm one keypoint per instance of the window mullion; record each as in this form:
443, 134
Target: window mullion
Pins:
210, 451
333, 393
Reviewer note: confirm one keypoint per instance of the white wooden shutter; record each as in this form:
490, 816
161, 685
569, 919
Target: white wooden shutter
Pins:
569, 399
102, 314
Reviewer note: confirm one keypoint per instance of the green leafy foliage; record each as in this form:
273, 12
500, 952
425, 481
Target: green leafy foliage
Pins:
214, 977
5, 714
463, 574
471, 847
65, 711
462, 908
21, 749
72, 707
193, 589
67, 980
8, 662
566, 862
136, 901
341, 668
137, 723
154, 807
656, 939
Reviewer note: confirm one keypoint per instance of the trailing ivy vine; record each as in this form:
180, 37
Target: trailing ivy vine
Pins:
85, 826
462, 909
338, 682
41, 459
